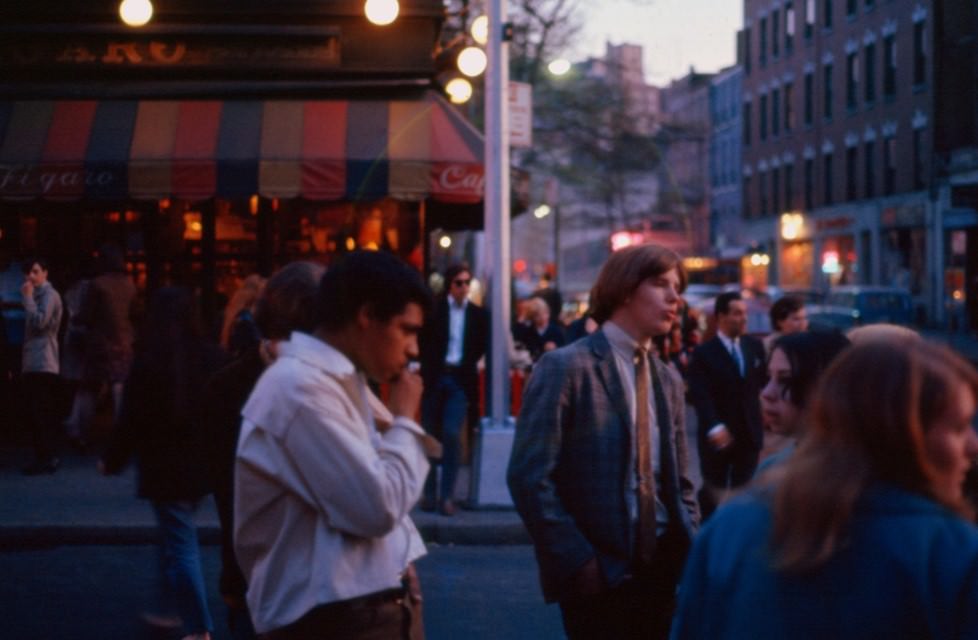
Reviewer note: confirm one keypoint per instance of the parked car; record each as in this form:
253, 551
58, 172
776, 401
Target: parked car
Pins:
809, 295
868, 304
696, 293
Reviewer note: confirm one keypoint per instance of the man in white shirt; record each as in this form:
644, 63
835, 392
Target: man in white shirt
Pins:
326, 475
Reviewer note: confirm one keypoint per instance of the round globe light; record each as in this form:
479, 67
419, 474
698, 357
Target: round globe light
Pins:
135, 13
559, 67
445, 242
459, 90
541, 212
480, 29
472, 61
381, 12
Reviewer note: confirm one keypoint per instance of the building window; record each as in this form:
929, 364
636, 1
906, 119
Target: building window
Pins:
851, 8
919, 169
827, 184
747, 118
776, 190
776, 112
869, 173
919, 53
809, 19
762, 56
889, 66
827, 14
763, 116
809, 98
827, 91
789, 186
852, 189
809, 184
745, 197
789, 111
789, 28
869, 58
775, 33
746, 51
889, 166
852, 81
762, 191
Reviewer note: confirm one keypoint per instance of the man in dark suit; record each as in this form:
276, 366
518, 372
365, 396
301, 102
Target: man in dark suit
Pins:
598, 470
452, 344
726, 375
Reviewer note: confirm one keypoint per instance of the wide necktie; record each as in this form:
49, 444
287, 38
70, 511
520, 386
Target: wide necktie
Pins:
646, 477
738, 357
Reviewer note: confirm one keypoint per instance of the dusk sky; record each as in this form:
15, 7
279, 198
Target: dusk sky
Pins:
674, 33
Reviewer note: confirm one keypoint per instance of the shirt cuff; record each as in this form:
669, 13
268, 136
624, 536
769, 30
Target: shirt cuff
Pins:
432, 448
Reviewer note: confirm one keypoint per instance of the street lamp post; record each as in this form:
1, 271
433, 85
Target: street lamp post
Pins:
497, 207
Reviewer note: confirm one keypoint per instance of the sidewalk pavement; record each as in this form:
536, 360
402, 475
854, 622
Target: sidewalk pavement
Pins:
78, 506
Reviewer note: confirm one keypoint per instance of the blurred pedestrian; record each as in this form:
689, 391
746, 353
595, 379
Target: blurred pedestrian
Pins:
861, 535
796, 363
40, 364
287, 304
726, 374
548, 292
239, 331
161, 425
598, 470
73, 353
452, 344
326, 475
106, 315
539, 334
788, 316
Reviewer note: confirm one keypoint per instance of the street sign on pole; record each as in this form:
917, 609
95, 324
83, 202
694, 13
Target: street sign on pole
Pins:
520, 114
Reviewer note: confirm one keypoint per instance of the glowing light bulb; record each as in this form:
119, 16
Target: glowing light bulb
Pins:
444, 242
136, 13
472, 61
459, 90
559, 67
480, 29
381, 12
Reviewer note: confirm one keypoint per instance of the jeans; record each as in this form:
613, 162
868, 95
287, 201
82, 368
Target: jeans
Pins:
443, 414
183, 577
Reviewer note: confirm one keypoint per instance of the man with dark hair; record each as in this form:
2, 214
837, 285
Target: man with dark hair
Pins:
40, 364
598, 470
726, 375
287, 304
787, 316
326, 474
451, 346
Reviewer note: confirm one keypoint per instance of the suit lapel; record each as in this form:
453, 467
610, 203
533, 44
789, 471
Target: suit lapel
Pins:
608, 372
726, 358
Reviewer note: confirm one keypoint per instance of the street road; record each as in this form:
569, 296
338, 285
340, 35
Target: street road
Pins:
98, 592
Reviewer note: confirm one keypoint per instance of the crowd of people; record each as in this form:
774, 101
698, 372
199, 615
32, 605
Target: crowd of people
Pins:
833, 466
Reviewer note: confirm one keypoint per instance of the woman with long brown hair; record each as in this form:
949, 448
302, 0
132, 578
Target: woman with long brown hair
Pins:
861, 534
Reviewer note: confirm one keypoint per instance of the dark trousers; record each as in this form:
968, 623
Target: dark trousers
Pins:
443, 412
640, 608
382, 616
41, 396
722, 470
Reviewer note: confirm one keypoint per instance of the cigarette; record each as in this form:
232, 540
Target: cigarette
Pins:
414, 366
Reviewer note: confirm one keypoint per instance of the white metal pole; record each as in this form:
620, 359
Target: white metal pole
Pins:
497, 207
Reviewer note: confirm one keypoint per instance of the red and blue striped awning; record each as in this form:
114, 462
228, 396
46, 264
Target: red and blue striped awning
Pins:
315, 149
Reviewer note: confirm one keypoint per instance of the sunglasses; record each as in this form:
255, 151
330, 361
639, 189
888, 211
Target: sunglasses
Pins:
462, 283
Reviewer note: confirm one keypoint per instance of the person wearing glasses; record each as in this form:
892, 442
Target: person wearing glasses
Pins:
452, 344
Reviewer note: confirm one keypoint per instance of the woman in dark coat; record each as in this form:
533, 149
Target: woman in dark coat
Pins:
160, 425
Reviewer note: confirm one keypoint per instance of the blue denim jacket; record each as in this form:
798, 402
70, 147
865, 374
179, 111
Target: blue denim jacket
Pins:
42, 315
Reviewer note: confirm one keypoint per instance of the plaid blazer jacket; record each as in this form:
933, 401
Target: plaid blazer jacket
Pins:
569, 469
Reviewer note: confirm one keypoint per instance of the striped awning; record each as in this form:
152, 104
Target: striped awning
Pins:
315, 149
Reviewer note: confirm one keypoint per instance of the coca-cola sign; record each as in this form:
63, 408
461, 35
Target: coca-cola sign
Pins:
459, 182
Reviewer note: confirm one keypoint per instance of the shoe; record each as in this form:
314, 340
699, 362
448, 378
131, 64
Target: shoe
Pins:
427, 504
447, 508
38, 467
